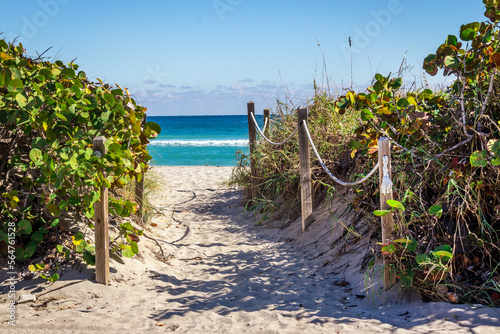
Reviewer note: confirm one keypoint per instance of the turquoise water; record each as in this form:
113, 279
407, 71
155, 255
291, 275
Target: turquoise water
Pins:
199, 140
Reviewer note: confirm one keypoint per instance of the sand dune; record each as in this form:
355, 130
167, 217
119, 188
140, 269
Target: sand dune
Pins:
225, 275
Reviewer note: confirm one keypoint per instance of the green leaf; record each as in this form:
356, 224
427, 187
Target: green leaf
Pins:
445, 256
396, 204
446, 248
468, 31
89, 258
24, 226
496, 161
355, 145
156, 128
407, 279
105, 116
430, 58
378, 86
451, 40
16, 73
467, 34
390, 248
396, 83
15, 85
478, 159
422, 258
403, 103
73, 162
127, 227
366, 115
436, 210
21, 100
409, 244
341, 104
55, 223
54, 277
134, 247
494, 146
60, 248
37, 237
128, 252
61, 116
38, 143
35, 155
381, 213
68, 73
114, 147
28, 251
451, 62
109, 99
54, 209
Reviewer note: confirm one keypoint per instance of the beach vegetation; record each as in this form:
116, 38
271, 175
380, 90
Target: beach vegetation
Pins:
445, 158
50, 176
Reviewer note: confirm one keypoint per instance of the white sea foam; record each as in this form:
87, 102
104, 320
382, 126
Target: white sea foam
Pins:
240, 142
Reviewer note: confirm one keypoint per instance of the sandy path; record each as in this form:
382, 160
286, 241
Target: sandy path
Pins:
224, 276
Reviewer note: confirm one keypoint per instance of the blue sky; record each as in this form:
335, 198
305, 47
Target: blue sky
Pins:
199, 57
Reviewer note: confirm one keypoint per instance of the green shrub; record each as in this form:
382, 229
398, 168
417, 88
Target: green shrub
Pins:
445, 158
49, 115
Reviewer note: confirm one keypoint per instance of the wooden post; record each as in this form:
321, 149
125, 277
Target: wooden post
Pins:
252, 137
101, 225
267, 116
305, 170
139, 187
384, 150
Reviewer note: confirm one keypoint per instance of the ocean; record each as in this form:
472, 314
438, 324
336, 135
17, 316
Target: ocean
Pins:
199, 140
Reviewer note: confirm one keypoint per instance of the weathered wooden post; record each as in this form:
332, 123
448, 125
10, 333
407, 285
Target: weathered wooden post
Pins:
101, 224
252, 137
267, 121
385, 172
139, 186
305, 170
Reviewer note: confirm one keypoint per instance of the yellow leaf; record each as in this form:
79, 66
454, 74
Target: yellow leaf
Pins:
411, 100
353, 153
384, 111
350, 96
76, 242
5, 56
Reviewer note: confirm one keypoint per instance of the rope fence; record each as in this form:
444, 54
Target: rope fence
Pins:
347, 184
265, 137
305, 143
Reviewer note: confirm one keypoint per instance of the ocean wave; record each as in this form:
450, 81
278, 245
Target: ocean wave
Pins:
239, 142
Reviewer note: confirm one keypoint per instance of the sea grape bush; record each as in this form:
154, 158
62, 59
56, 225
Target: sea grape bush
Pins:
445, 158
49, 115
446, 153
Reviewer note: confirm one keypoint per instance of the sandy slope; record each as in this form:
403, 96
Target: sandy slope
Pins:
226, 275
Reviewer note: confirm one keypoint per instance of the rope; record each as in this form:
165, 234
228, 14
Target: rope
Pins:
350, 184
269, 141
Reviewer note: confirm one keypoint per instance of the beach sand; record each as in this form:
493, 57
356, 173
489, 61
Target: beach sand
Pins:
223, 274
